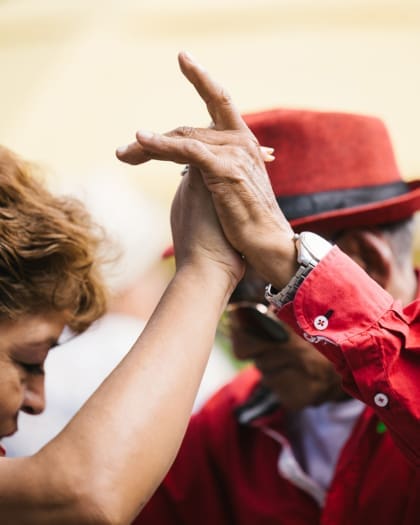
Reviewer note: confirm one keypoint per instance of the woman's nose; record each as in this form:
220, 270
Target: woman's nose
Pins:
34, 399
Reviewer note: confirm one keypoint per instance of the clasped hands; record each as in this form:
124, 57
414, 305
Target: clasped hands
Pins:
227, 177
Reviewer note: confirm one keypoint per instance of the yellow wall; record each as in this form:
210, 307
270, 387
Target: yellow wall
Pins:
79, 77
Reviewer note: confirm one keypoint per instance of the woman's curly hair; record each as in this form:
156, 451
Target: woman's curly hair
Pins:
49, 250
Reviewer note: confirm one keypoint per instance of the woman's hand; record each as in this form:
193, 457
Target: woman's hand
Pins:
196, 231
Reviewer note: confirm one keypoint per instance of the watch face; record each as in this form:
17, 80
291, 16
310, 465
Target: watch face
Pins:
311, 248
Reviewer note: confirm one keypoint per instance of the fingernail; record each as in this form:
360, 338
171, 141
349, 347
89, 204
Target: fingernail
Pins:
122, 149
143, 134
269, 158
266, 149
190, 57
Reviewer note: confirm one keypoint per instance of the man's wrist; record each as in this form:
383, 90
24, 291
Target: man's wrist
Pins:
311, 248
276, 260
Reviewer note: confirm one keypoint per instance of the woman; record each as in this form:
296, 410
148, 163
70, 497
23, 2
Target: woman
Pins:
105, 464
107, 461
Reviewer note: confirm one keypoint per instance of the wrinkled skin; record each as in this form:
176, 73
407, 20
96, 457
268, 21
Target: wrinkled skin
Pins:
232, 165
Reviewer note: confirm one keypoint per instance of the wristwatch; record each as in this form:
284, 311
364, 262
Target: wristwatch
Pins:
311, 248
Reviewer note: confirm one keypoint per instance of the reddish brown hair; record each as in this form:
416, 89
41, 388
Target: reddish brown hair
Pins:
49, 250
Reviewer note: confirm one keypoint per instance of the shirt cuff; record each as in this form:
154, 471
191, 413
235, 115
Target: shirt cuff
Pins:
336, 301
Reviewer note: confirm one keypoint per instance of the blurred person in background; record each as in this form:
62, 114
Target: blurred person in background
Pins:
303, 436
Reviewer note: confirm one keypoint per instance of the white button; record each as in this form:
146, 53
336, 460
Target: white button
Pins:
310, 338
381, 400
321, 322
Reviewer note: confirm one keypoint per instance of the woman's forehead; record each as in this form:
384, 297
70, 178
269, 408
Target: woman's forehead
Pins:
33, 332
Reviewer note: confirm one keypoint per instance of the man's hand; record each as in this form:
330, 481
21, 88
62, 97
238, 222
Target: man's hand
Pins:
232, 166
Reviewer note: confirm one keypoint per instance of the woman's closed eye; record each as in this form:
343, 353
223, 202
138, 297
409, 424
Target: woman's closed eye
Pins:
33, 368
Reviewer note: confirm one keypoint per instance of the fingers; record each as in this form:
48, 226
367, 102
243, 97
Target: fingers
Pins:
223, 112
216, 138
267, 154
175, 149
203, 155
135, 153
219, 103
132, 154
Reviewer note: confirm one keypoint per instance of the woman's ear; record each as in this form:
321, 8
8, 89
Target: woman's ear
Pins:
370, 250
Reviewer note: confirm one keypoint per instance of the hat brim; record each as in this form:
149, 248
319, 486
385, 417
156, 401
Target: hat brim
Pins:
381, 212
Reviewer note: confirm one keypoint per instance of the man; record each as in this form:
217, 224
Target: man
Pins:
284, 442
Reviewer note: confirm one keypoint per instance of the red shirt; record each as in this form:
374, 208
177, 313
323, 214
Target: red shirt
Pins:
372, 340
226, 472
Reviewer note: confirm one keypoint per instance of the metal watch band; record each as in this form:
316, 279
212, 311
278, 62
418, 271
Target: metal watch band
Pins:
288, 293
311, 248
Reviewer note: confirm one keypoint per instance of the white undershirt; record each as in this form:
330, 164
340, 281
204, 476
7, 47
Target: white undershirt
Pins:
317, 439
324, 431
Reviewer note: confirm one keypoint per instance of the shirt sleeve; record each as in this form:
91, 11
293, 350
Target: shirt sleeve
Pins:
373, 342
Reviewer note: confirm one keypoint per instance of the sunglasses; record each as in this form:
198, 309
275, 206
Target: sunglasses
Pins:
256, 319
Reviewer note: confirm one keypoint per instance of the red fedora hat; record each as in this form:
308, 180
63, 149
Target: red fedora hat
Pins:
333, 170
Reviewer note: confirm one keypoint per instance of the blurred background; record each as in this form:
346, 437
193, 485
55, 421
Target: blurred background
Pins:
78, 77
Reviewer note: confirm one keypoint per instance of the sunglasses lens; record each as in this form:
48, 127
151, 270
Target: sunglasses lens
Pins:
258, 324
